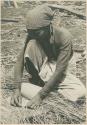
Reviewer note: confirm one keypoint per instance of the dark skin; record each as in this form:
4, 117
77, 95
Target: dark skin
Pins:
16, 99
63, 52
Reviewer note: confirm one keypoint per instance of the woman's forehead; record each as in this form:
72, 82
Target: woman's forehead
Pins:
35, 30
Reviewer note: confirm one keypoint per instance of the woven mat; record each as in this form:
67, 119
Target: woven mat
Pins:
55, 109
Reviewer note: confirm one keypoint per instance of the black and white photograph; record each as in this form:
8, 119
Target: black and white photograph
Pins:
43, 62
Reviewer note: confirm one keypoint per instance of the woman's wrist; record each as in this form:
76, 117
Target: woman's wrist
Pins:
42, 94
17, 84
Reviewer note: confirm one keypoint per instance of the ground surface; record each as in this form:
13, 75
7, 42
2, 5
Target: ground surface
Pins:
55, 109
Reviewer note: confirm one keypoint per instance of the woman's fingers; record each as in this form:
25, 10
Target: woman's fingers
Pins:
20, 101
16, 101
12, 102
32, 105
29, 104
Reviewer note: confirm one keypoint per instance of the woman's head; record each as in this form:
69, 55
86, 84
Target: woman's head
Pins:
39, 33
38, 20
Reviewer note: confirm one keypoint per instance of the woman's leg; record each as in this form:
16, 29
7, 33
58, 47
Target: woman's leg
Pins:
72, 88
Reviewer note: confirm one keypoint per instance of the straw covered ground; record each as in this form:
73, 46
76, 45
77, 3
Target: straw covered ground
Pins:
54, 109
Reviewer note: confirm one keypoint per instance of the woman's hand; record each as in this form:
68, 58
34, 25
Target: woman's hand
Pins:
16, 99
34, 102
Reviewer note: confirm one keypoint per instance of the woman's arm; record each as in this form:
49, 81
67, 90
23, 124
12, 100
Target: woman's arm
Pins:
18, 72
62, 63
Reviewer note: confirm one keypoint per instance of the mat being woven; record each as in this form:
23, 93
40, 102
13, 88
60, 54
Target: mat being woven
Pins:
54, 109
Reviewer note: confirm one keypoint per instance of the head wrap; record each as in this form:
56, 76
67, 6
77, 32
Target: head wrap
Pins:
38, 17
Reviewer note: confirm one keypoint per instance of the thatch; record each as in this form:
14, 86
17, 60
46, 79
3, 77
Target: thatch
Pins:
54, 109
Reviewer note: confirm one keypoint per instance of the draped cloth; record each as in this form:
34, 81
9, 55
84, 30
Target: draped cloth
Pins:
71, 87
38, 17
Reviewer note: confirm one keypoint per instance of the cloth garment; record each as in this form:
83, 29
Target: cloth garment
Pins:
59, 47
70, 87
40, 16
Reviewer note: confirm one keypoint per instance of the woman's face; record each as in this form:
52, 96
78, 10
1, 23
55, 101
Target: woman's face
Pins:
39, 33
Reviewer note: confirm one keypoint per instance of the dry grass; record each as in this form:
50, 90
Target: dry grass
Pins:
54, 109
